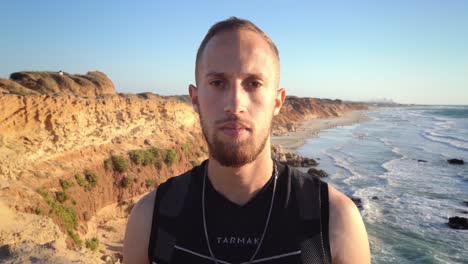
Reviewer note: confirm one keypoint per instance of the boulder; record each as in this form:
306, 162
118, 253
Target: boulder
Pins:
307, 162
358, 202
456, 161
458, 222
317, 173
422, 161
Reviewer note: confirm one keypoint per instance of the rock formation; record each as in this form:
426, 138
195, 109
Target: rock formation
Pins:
456, 161
90, 85
458, 222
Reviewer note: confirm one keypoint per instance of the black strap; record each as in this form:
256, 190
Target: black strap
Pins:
312, 198
168, 204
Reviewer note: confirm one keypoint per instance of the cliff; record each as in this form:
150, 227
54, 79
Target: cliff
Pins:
296, 110
70, 149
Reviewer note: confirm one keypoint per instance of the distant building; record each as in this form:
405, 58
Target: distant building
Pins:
61, 72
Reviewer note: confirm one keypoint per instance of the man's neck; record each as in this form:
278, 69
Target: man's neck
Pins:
240, 184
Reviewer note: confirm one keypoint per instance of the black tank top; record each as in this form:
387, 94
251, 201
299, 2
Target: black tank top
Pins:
235, 231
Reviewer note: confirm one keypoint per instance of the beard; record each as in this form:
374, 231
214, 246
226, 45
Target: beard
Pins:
235, 153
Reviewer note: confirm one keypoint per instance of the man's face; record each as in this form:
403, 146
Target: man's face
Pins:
237, 96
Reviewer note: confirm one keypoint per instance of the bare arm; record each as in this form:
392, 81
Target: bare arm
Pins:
348, 236
138, 231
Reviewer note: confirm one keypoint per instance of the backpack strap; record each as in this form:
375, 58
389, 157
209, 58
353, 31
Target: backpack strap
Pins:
168, 204
312, 198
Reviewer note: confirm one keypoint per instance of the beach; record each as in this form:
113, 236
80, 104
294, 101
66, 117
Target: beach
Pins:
291, 141
397, 166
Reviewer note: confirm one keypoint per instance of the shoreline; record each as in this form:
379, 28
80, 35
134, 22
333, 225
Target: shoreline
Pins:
291, 141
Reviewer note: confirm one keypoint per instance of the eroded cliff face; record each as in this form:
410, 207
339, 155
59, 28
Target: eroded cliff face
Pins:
47, 140
70, 146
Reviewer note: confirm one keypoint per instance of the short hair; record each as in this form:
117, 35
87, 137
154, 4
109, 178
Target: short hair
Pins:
232, 23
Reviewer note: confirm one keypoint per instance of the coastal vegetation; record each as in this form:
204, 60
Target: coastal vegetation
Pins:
66, 214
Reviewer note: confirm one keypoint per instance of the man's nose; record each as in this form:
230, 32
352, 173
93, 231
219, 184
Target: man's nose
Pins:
235, 98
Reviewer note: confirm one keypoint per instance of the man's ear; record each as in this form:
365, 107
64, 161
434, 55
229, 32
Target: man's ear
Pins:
193, 92
279, 100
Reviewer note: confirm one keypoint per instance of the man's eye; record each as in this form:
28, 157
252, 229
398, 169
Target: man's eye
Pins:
255, 84
216, 83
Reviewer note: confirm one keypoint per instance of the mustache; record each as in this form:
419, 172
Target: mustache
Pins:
234, 119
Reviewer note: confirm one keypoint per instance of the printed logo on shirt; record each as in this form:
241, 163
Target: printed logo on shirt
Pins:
232, 240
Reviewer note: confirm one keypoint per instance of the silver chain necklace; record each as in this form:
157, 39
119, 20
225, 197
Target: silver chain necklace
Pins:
275, 175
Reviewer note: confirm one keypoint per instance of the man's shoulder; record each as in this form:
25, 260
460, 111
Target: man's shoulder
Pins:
341, 204
348, 236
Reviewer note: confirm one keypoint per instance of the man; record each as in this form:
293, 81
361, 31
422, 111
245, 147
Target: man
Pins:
240, 206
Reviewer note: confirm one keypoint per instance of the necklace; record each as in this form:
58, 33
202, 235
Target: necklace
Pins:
275, 175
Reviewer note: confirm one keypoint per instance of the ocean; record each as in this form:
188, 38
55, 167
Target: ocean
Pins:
397, 164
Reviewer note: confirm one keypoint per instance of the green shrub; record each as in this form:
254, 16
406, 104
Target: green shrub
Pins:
155, 151
42, 191
126, 182
61, 196
81, 181
91, 178
141, 156
89, 181
137, 156
66, 184
119, 163
65, 213
171, 156
75, 237
149, 182
92, 243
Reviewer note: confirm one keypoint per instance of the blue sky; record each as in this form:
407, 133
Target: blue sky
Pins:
411, 51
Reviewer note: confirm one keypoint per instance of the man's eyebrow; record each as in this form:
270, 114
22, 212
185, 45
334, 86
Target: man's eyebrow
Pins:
223, 75
258, 76
215, 74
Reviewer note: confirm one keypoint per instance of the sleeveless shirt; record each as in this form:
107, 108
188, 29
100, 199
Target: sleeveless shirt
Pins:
234, 231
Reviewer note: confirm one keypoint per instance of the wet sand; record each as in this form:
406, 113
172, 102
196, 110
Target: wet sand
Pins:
291, 141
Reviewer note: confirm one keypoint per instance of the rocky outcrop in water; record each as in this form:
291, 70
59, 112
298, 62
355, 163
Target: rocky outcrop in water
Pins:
291, 159
317, 173
458, 222
456, 161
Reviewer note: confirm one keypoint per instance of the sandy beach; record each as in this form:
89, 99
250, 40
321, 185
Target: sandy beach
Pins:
291, 141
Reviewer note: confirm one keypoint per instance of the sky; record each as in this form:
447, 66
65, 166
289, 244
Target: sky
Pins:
409, 51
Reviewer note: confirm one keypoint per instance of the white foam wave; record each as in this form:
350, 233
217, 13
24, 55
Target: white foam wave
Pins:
456, 142
387, 142
342, 162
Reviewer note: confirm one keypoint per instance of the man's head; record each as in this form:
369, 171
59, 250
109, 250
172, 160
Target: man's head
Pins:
232, 24
237, 74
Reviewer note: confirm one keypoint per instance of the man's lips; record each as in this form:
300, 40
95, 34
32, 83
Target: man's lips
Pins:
234, 128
